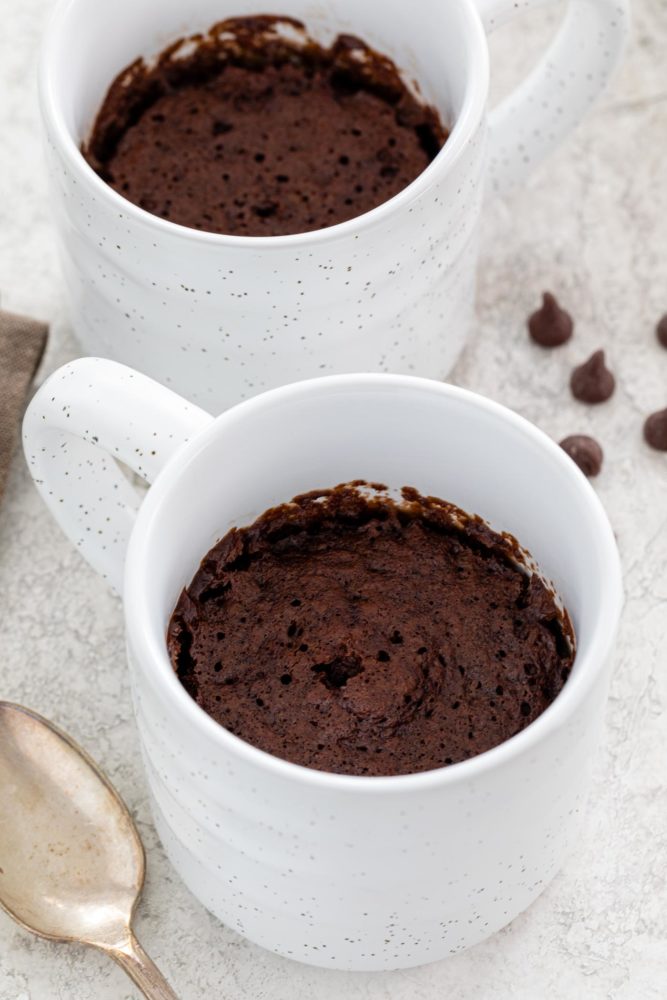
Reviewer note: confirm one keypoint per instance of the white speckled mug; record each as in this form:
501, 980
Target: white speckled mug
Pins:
219, 318
340, 871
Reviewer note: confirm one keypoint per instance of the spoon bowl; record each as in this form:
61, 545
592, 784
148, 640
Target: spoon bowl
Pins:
71, 862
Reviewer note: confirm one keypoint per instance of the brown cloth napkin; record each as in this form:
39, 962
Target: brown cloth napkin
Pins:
22, 342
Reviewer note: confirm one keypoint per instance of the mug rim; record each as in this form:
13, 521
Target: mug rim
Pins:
151, 648
462, 131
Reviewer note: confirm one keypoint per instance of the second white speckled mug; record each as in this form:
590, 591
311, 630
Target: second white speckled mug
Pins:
219, 318
341, 871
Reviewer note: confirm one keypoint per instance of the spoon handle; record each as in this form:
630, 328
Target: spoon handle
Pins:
142, 970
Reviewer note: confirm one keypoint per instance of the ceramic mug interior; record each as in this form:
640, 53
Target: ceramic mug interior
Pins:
443, 50
397, 430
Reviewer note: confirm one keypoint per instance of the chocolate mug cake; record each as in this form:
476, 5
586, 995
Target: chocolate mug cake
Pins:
257, 133
349, 632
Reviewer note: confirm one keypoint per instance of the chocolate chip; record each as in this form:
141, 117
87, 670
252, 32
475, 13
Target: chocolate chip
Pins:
266, 209
584, 452
550, 326
661, 330
592, 382
655, 430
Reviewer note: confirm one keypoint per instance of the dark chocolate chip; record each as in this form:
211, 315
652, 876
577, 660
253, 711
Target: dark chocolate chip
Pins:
550, 326
655, 430
266, 209
592, 382
661, 330
584, 452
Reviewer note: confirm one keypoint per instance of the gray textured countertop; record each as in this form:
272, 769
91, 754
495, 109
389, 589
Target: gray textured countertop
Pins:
592, 226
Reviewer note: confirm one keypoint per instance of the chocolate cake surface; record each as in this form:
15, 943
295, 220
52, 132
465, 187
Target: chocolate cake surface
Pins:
256, 133
352, 633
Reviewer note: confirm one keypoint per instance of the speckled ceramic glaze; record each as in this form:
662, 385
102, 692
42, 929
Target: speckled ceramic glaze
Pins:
339, 871
219, 318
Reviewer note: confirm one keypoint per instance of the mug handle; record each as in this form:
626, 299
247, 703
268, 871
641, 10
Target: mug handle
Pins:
89, 415
531, 121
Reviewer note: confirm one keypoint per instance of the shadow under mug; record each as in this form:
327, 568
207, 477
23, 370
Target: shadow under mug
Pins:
340, 871
221, 318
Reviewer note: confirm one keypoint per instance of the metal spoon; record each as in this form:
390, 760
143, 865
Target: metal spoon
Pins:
71, 861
